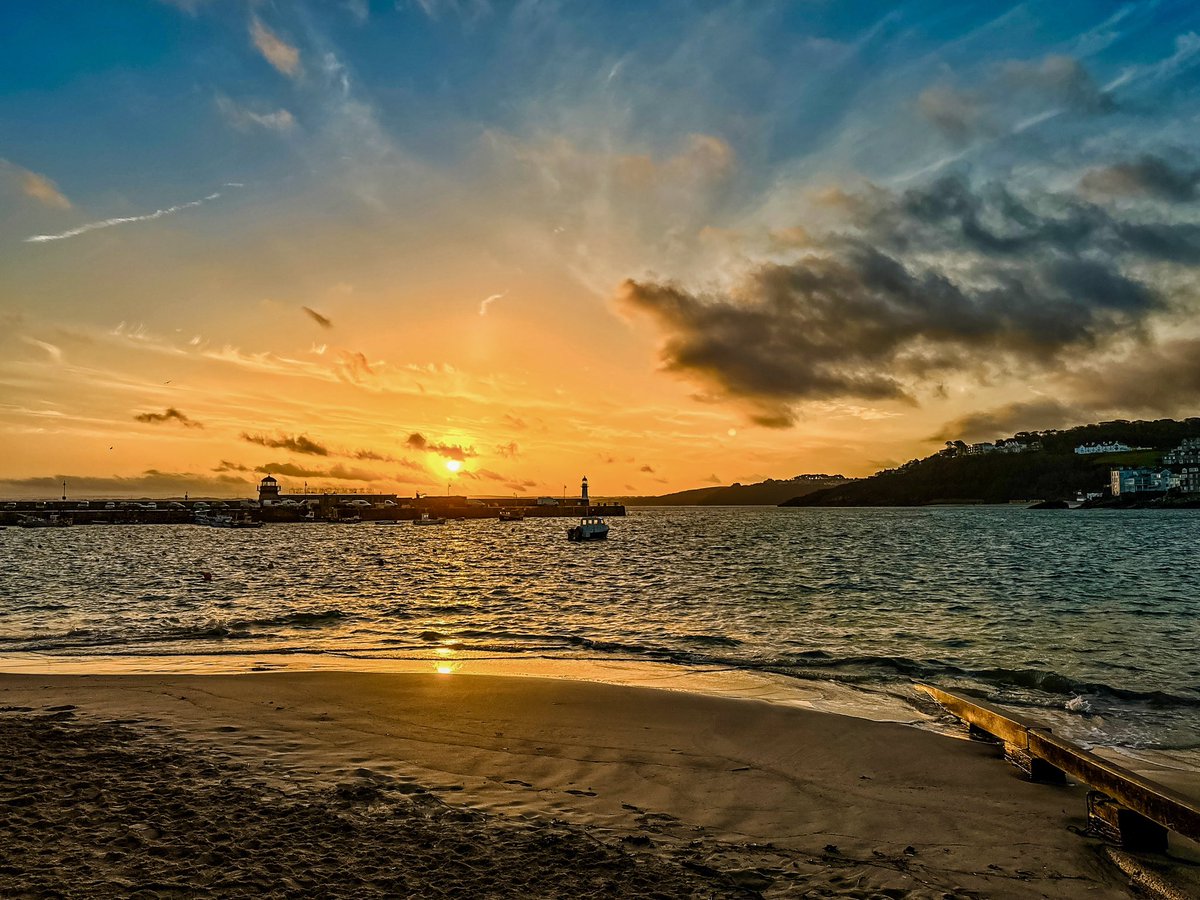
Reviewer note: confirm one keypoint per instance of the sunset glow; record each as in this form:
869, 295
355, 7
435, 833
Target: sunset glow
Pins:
311, 240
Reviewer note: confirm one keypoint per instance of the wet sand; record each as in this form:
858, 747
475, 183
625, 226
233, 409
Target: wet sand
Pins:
350, 784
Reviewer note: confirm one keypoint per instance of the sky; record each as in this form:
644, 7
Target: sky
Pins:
359, 243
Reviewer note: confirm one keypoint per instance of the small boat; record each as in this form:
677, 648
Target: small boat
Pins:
349, 520
512, 515
590, 528
427, 519
53, 521
213, 520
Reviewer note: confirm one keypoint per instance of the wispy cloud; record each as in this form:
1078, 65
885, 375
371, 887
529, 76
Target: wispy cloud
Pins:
31, 184
119, 220
282, 55
488, 301
54, 352
170, 414
244, 118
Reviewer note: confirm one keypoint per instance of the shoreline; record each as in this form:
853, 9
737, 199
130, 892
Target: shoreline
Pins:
740, 788
1174, 767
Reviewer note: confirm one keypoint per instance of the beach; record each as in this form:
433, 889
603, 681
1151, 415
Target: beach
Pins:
360, 784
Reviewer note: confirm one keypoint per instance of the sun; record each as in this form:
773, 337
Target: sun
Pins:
453, 465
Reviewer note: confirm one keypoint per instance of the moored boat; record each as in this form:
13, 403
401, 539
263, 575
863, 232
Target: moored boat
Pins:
427, 519
590, 528
512, 515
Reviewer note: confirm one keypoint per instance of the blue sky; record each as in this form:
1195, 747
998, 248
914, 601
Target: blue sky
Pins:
838, 230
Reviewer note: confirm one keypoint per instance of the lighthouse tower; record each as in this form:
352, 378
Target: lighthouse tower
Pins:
268, 490
583, 493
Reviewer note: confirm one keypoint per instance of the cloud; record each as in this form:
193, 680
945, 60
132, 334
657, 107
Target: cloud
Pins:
317, 317
488, 301
511, 450
243, 119
418, 441
33, 185
1147, 176
647, 469
339, 472
949, 277
957, 114
54, 352
1164, 380
359, 10
298, 444
1013, 94
1004, 421
713, 479
170, 414
150, 483
353, 366
120, 220
280, 54
227, 466
1059, 79
468, 10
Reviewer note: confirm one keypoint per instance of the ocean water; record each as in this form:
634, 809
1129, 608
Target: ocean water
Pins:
1091, 617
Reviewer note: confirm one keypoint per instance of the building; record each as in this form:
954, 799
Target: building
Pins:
1189, 479
1112, 447
1187, 453
270, 493
1140, 481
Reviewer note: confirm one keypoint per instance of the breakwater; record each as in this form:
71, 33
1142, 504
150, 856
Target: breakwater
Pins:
179, 512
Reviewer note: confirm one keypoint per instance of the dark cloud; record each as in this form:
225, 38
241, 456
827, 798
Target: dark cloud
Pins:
648, 469
151, 483
510, 450
317, 317
950, 277
373, 455
227, 466
170, 414
299, 444
338, 472
418, 441
1163, 380
1004, 421
1147, 176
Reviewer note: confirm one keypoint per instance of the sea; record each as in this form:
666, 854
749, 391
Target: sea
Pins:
1086, 619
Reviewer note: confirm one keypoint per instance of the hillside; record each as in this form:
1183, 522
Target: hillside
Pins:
1053, 472
764, 493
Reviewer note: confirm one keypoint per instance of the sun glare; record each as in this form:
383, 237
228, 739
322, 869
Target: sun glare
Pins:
453, 465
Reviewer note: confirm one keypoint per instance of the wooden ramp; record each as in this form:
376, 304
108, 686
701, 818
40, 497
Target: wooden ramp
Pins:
1123, 806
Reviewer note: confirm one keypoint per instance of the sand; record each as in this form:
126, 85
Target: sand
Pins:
351, 785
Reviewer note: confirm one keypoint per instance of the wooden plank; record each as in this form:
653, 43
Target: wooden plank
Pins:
1156, 802
988, 718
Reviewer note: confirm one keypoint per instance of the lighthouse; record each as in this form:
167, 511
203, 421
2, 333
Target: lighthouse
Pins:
583, 493
268, 490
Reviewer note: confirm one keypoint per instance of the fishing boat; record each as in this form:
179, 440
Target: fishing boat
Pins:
590, 528
244, 521
512, 515
427, 519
